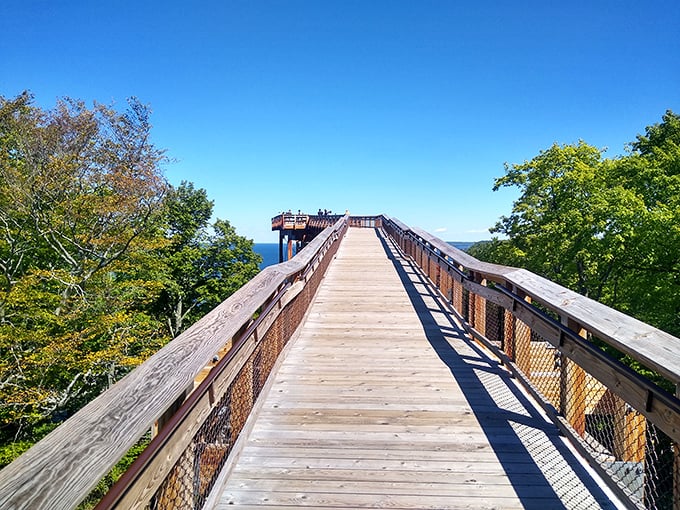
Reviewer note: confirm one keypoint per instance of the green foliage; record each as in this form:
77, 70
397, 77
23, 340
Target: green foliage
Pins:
96, 252
10, 451
606, 228
204, 264
116, 472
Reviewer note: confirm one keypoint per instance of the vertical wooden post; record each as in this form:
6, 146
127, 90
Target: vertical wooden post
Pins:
281, 245
448, 288
509, 329
523, 342
471, 308
457, 290
630, 429
509, 334
165, 417
573, 389
480, 308
290, 248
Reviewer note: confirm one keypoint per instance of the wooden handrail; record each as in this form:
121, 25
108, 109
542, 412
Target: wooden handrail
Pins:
655, 349
613, 415
60, 471
650, 346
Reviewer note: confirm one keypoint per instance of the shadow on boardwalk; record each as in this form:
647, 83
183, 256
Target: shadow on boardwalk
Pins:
551, 477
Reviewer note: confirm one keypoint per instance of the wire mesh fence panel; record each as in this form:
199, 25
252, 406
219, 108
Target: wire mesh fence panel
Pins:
661, 475
457, 300
494, 324
241, 402
522, 347
433, 269
265, 356
193, 476
509, 334
478, 312
544, 369
637, 456
465, 304
446, 285
211, 448
176, 491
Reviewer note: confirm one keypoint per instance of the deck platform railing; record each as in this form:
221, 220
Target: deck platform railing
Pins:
554, 340
196, 426
560, 345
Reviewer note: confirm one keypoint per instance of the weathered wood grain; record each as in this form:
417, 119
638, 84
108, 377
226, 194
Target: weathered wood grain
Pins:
654, 348
60, 470
374, 409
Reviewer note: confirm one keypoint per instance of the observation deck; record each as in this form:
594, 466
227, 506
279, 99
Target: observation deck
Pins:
379, 368
382, 401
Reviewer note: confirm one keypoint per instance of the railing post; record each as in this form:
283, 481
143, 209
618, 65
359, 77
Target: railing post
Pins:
523, 342
457, 291
573, 386
165, 417
447, 288
509, 334
630, 428
509, 329
479, 307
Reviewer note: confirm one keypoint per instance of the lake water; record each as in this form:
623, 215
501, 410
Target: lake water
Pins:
270, 251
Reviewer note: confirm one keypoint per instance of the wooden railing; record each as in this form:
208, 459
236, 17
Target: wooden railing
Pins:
198, 426
556, 342
552, 339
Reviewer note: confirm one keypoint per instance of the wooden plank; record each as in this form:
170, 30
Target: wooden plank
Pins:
241, 498
373, 409
362, 483
456, 452
654, 348
59, 471
379, 475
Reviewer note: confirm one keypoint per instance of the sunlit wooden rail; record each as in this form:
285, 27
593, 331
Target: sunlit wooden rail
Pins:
383, 402
550, 338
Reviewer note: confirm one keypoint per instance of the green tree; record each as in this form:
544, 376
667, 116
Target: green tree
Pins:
204, 264
99, 258
558, 222
648, 287
80, 191
606, 228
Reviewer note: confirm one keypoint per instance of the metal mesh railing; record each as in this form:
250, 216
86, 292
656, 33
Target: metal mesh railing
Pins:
639, 459
628, 448
194, 474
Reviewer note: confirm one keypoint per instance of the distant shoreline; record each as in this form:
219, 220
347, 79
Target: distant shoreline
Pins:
270, 251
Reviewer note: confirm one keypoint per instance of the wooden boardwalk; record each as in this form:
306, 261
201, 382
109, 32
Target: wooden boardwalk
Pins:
382, 402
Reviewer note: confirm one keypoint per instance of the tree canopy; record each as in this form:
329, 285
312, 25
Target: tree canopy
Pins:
102, 261
608, 228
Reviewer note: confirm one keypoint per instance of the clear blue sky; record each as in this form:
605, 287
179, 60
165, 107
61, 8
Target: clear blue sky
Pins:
404, 108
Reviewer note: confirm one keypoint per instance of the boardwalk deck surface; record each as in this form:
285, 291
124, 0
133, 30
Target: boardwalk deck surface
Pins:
382, 402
